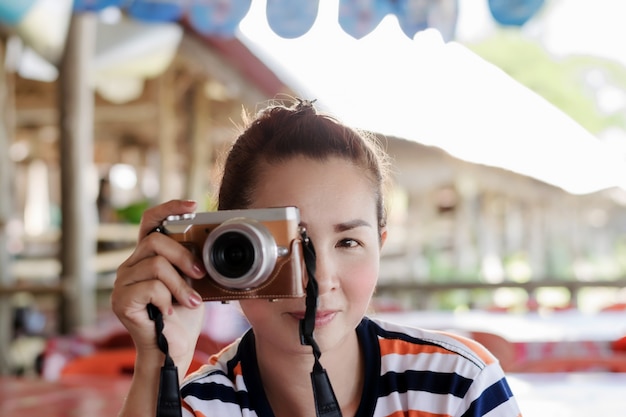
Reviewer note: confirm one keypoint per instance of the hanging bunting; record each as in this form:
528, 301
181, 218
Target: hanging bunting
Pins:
417, 15
291, 18
514, 12
156, 10
359, 17
95, 5
217, 17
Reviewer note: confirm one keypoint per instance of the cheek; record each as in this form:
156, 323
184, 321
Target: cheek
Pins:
255, 310
362, 280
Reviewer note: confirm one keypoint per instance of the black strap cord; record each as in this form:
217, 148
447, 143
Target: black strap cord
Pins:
168, 400
326, 404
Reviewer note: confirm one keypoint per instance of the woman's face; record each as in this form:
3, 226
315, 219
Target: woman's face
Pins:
338, 208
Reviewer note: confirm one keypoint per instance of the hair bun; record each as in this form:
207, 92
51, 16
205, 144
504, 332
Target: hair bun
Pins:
305, 106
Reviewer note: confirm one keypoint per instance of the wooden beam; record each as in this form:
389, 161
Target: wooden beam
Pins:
142, 112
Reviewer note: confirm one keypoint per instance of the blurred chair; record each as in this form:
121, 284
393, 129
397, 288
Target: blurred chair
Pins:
619, 345
614, 307
110, 362
115, 340
613, 363
500, 347
115, 362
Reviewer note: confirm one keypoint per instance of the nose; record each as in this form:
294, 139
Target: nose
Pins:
325, 274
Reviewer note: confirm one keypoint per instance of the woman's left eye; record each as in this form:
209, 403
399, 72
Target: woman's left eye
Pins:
348, 243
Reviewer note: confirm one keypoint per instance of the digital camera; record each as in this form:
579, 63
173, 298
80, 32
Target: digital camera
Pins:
253, 253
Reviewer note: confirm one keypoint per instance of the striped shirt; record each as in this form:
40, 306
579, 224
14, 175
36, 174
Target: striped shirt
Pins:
409, 372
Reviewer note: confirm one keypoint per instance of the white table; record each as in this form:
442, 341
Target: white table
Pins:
570, 394
557, 326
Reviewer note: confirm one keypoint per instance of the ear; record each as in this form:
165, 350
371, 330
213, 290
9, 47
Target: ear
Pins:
383, 236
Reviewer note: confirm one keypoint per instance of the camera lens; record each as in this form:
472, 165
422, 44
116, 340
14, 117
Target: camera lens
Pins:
232, 255
240, 254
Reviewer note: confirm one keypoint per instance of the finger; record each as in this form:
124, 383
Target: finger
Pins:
157, 244
154, 269
154, 216
130, 304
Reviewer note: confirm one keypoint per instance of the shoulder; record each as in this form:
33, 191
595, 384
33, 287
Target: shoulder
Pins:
223, 374
401, 340
444, 371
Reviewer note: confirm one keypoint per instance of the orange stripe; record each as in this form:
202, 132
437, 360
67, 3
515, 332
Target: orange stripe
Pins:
476, 347
237, 370
416, 413
192, 411
401, 347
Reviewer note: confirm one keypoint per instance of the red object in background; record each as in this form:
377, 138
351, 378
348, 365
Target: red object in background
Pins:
113, 362
114, 355
613, 363
619, 345
615, 307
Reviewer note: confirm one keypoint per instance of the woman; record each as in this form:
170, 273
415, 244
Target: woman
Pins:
335, 176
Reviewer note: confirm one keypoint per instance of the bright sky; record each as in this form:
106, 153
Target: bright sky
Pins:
442, 94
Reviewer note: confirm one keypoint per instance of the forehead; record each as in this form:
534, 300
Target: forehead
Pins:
303, 181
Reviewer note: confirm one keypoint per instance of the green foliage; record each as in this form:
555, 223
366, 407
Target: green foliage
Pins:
133, 212
560, 81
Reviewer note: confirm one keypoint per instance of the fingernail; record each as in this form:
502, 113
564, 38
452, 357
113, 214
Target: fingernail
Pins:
170, 311
195, 299
198, 269
189, 203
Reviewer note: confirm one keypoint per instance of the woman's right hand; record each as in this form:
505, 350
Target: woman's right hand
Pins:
151, 275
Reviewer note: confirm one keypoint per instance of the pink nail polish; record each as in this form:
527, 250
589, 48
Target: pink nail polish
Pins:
198, 269
195, 299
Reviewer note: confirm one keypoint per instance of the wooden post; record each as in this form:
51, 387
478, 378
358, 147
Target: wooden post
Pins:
78, 208
199, 157
167, 138
6, 210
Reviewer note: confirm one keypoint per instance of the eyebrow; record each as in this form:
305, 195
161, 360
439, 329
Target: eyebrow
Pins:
349, 225
352, 224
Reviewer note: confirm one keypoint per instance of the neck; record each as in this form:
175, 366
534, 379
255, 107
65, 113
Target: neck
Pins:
287, 383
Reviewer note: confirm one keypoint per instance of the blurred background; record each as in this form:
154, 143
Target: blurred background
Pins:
505, 121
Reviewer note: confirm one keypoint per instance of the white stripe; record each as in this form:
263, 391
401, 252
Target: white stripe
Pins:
429, 402
435, 362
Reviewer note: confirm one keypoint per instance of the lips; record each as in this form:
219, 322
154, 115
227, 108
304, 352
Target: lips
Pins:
321, 318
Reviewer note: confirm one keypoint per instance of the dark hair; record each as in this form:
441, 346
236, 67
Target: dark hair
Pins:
279, 133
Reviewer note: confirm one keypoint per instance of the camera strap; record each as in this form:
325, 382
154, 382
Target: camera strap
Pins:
326, 404
168, 400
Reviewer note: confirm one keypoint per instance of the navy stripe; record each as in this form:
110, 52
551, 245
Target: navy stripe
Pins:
215, 391
491, 398
429, 381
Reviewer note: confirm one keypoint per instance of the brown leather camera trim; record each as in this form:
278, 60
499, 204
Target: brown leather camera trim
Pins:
287, 281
